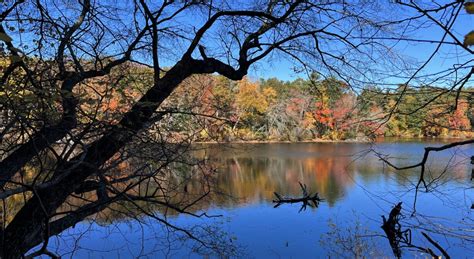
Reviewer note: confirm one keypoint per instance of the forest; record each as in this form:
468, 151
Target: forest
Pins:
324, 109
312, 109
102, 103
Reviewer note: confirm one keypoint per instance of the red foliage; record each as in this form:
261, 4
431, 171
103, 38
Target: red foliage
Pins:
322, 114
342, 111
459, 119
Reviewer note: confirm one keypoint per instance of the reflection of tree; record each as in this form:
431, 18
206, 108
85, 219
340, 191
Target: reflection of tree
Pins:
252, 172
399, 238
307, 199
350, 240
255, 177
248, 174
426, 178
167, 183
438, 174
354, 240
54, 50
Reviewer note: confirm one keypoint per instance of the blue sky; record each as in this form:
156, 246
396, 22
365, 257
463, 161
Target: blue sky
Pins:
446, 57
283, 68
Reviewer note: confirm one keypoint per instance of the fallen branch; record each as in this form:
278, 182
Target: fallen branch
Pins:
399, 238
436, 245
308, 199
393, 230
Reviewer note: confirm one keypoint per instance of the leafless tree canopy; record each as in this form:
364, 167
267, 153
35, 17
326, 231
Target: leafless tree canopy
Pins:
61, 59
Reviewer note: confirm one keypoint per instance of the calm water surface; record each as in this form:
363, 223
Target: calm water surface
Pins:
356, 186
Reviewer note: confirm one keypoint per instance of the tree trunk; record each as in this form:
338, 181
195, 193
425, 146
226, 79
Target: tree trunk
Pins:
25, 230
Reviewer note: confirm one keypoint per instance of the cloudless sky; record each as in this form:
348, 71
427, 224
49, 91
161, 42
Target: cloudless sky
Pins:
446, 57
283, 68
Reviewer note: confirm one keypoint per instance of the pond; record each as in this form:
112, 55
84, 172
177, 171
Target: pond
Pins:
357, 188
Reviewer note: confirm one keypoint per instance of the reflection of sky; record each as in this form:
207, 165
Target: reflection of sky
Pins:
362, 190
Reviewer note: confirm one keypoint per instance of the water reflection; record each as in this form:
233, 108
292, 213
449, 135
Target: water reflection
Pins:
354, 184
254, 172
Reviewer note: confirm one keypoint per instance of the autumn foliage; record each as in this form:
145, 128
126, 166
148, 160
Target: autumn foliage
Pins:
213, 108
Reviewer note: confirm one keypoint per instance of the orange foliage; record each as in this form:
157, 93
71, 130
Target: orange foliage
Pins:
323, 115
459, 120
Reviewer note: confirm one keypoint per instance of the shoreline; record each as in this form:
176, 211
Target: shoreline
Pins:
281, 141
383, 139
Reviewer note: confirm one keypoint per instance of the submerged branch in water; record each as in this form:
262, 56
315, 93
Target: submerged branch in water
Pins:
312, 200
399, 238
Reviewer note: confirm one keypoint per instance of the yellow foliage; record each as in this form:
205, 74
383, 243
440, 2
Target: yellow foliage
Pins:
245, 134
469, 7
444, 132
250, 98
270, 94
469, 39
204, 134
308, 120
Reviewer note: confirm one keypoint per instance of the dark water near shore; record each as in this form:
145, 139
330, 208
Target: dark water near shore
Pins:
356, 186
